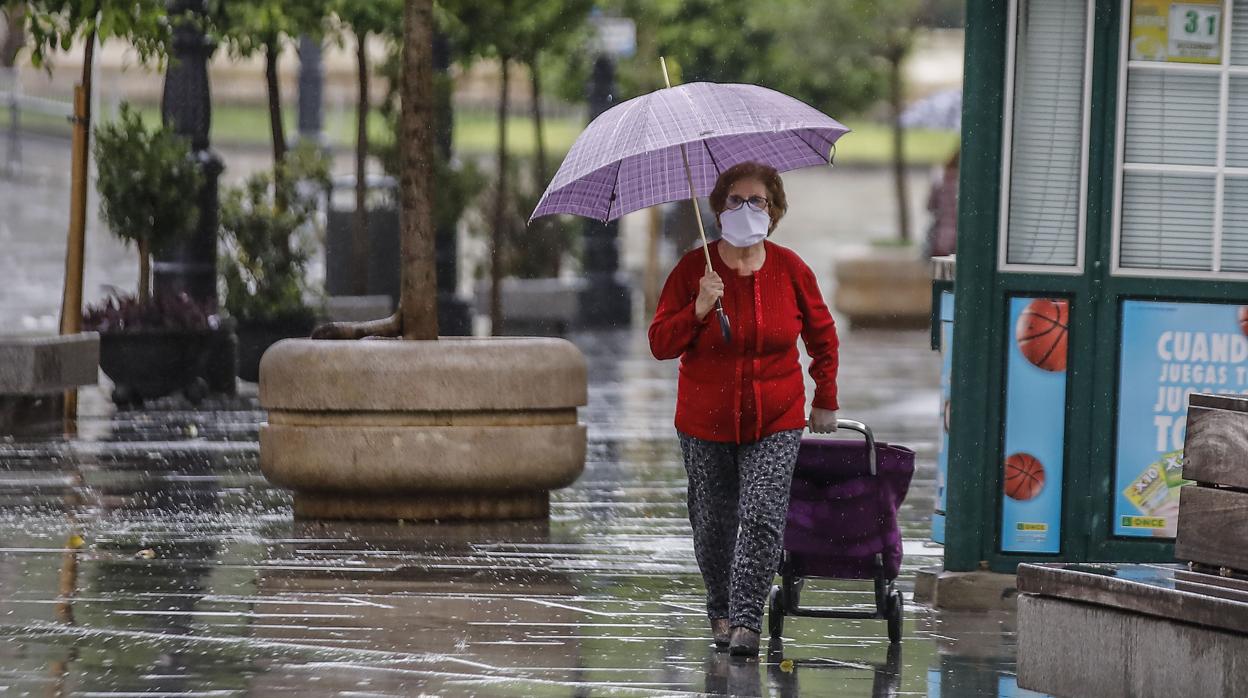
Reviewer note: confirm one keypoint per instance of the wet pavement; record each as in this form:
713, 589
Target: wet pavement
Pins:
149, 556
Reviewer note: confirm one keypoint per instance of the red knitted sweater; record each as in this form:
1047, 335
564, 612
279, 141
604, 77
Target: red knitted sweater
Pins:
751, 388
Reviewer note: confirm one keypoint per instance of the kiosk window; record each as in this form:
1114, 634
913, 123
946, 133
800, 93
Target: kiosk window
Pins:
1042, 192
1182, 206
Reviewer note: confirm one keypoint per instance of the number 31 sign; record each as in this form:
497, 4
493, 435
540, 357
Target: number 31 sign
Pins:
1195, 32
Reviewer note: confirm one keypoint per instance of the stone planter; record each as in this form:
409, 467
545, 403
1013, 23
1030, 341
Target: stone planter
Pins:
453, 429
34, 373
148, 364
543, 307
884, 287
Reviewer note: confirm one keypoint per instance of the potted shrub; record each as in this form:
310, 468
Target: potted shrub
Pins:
154, 347
149, 346
264, 265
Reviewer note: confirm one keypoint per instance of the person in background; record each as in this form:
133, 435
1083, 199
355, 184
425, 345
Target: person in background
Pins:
942, 236
741, 404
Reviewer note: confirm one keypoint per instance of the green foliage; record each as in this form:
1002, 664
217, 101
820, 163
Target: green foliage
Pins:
457, 184
518, 29
831, 54
264, 268
370, 17
147, 181
55, 25
536, 250
246, 28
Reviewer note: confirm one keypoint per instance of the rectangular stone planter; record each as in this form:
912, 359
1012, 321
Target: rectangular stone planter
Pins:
1137, 631
540, 307
884, 287
35, 371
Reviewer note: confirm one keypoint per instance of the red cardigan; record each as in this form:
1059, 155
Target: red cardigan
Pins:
742, 392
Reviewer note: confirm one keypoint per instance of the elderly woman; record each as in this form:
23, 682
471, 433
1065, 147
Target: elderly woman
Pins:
740, 406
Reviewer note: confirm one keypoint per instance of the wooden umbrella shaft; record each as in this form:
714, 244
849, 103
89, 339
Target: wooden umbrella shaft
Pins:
724, 328
693, 194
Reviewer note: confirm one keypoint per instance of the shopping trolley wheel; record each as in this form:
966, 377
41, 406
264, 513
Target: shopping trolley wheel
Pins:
775, 611
894, 613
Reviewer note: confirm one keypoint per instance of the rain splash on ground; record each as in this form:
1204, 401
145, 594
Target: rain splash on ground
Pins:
149, 555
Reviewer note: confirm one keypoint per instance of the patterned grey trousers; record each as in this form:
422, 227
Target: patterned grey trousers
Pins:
742, 486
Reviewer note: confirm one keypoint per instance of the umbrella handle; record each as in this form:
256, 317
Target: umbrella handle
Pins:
725, 328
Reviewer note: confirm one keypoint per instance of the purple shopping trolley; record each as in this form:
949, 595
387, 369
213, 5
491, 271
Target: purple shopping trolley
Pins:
842, 524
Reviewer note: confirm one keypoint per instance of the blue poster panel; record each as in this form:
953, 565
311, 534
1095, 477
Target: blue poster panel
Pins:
1035, 426
946, 379
1169, 351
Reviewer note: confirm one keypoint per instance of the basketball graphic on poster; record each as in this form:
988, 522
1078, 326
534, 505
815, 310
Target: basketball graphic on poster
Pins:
1041, 333
1243, 319
1024, 477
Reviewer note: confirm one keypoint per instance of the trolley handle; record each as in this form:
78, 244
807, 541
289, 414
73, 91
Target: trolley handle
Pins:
866, 432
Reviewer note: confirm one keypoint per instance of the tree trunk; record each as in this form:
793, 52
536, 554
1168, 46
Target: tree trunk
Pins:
500, 210
75, 249
359, 222
145, 271
418, 306
71, 298
272, 51
15, 35
899, 156
539, 136
550, 250
386, 327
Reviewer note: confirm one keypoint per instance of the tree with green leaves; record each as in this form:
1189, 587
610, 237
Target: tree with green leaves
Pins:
840, 56
508, 31
56, 25
894, 26
263, 27
484, 30
547, 29
265, 258
361, 20
145, 180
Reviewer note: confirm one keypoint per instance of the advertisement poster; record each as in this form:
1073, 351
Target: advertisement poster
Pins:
1035, 426
946, 379
1177, 31
1169, 351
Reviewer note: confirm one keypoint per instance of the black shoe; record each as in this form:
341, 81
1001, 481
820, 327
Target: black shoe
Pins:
722, 633
744, 642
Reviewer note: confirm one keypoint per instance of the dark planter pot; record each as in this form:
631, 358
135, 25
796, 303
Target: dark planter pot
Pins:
255, 338
153, 363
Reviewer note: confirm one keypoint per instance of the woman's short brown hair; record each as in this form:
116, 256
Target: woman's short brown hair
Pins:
777, 205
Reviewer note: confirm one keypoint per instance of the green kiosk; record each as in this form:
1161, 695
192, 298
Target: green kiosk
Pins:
1101, 274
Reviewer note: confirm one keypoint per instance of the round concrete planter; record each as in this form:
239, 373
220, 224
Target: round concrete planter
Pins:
454, 429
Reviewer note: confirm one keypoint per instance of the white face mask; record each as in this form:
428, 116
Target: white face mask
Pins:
744, 227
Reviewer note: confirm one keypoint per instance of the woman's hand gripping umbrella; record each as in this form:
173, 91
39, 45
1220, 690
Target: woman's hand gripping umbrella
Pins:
674, 143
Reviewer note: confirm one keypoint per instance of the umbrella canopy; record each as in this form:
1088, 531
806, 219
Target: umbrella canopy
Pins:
942, 110
629, 158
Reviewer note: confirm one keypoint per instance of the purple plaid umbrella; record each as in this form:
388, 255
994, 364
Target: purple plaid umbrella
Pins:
673, 144
630, 157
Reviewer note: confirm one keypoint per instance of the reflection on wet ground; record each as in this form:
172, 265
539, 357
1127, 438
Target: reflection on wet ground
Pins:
148, 555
